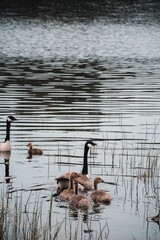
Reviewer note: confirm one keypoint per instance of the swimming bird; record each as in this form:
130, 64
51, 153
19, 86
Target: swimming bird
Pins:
79, 201
34, 151
99, 196
67, 193
63, 180
6, 145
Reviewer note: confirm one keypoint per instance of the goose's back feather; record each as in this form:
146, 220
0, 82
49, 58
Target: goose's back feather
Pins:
63, 181
35, 151
66, 194
85, 183
100, 196
80, 201
64, 176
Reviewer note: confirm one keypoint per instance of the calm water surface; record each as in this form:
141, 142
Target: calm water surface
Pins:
72, 78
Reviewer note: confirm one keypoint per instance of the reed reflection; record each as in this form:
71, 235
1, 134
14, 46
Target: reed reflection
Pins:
75, 213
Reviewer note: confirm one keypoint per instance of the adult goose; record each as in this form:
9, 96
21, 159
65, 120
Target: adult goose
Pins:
63, 180
67, 193
33, 150
100, 196
6, 145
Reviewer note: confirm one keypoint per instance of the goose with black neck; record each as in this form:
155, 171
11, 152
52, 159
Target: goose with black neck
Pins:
6, 145
63, 180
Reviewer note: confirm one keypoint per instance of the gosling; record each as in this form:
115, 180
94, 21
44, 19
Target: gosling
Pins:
34, 151
79, 201
100, 196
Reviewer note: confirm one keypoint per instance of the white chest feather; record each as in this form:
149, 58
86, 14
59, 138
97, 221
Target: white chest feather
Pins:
5, 147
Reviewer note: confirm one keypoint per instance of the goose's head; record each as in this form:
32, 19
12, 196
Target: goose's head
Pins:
98, 180
10, 118
29, 145
89, 144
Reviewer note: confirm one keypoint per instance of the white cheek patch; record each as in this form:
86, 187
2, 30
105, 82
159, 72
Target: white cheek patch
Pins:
9, 119
89, 145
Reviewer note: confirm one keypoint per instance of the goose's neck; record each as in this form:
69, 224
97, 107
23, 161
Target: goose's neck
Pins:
30, 148
8, 125
71, 183
85, 161
95, 185
76, 188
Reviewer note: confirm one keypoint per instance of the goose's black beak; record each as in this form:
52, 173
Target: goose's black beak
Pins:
94, 144
12, 118
111, 183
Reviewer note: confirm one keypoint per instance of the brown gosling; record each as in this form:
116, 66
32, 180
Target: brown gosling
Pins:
34, 151
67, 193
79, 201
100, 196
63, 180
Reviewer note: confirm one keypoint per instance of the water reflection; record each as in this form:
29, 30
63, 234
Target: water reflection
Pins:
64, 89
6, 163
74, 213
6, 156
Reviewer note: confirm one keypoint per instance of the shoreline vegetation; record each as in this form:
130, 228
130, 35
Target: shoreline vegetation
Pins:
18, 221
24, 217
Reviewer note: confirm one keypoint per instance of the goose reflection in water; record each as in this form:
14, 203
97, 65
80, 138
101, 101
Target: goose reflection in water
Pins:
6, 156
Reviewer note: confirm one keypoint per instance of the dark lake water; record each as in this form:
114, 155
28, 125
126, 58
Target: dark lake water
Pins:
72, 71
